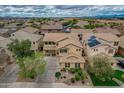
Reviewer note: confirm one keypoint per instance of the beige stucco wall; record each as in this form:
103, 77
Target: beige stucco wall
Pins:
36, 45
72, 49
101, 49
72, 65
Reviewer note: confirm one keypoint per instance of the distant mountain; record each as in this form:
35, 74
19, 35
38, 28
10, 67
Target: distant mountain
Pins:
112, 11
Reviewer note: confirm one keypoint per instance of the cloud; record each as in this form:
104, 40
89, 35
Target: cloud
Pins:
61, 11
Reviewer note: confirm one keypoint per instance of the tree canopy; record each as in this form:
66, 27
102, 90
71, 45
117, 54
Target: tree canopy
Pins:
20, 48
101, 67
30, 63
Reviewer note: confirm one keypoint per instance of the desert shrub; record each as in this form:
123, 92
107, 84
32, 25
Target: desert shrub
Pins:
57, 75
72, 80
31, 74
72, 70
80, 73
77, 77
78, 69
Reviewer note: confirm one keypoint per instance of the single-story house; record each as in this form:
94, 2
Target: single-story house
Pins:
107, 30
36, 40
51, 27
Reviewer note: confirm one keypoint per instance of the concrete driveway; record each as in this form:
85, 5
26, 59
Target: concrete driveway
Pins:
47, 80
10, 74
51, 68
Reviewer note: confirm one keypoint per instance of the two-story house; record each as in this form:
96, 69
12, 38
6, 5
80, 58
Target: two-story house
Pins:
66, 46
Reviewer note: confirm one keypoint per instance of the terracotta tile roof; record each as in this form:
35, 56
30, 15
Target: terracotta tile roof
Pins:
5, 42
29, 29
2, 38
52, 26
63, 39
21, 35
105, 36
72, 58
81, 31
69, 41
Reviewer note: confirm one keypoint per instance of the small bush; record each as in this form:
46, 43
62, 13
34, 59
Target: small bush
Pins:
72, 80
78, 69
72, 70
122, 76
80, 73
77, 77
31, 74
57, 75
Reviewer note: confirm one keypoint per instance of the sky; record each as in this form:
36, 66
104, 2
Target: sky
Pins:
62, 11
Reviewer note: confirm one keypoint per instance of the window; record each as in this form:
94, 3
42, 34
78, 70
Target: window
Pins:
115, 43
67, 64
57, 44
39, 32
63, 50
78, 50
95, 49
50, 43
77, 65
46, 43
53, 43
13, 35
110, 51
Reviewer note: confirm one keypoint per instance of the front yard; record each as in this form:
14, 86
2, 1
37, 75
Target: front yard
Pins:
73, 77
119, 75
97, 82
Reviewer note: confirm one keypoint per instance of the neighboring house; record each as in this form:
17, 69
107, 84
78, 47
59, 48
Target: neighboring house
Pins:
100, 43
36, 40
4, 58
30, 30
51, 27
13, 25
107, 30
6, 32
65, 46
81, 31
2, 38
121, 46
3, 45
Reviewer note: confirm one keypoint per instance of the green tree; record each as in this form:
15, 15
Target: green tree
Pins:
30, 63
31, 66
20, 48
101, 67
